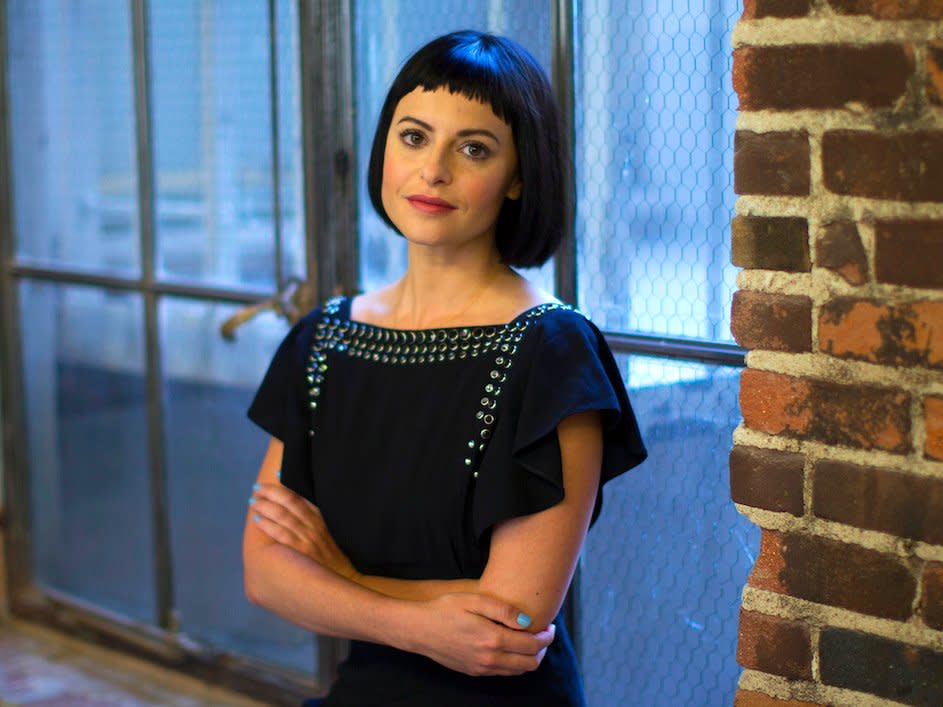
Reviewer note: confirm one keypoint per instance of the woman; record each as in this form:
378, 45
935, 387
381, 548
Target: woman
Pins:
438, 446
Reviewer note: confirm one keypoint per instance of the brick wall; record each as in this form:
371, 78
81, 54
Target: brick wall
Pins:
839, 459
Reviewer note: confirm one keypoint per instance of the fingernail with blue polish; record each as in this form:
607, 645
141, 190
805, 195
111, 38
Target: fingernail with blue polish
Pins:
251, 501
523, 620
256, 518
256, 486
279, 474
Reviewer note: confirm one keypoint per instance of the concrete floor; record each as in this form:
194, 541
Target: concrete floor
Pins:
40, 668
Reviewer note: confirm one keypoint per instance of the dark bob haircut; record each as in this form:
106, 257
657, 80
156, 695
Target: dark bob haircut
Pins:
500, 73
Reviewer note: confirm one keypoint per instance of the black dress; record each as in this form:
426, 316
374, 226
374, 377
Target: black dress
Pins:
415, 443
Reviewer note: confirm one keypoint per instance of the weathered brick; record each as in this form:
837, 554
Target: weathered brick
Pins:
931, 601
821, 76
774, 645
891, 9
839, 248
776, 243
893, 335
933, 424
879, 666
767, 478
857, 416
906, 166
838, 574
774, 163
861, 416
879, 499
774, 322
775, 404
751, 698
909, 253
757, 9
770, 564
935, 73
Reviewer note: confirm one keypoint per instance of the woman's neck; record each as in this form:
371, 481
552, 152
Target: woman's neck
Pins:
445, 289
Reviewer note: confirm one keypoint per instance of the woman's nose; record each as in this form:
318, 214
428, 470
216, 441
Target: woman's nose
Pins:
435, 169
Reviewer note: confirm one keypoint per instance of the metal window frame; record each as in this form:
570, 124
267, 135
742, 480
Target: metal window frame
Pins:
162, 643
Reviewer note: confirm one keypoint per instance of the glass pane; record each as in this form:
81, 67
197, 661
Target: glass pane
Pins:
386, 34
72, 133
86, 418
663, 568
213, 152
655, 122
213, 453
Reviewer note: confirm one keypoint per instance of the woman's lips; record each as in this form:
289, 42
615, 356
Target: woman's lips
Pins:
430, 204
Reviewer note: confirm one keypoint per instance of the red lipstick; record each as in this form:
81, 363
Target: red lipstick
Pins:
430, 204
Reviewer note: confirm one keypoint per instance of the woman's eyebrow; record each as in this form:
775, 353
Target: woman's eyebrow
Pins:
461, 133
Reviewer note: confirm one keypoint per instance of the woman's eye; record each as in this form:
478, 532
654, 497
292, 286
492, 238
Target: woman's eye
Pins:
411, 138
476, 150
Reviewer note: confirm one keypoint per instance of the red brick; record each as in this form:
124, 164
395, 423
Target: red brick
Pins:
821, 76
909, 253
757, 9
935, 73
892, 335
767, 572
761, 320
891, 9
837, 574
749, 698
933, 424
771, 163
767, 478
879, 666
879, 499
776, 243
931, 602
840, 250
775, 404
861, 416
857, 416
774, 645
905, 166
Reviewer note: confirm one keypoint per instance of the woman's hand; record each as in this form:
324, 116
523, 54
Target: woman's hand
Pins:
479, 635
294, 521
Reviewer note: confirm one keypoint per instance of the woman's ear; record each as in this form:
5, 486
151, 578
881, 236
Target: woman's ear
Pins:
514, 191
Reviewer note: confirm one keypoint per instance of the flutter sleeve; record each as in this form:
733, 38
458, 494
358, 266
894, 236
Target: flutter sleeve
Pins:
280, 406
566, 369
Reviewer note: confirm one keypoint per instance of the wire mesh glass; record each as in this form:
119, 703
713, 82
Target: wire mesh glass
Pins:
664, 566
211, 97
71, 132
655, 113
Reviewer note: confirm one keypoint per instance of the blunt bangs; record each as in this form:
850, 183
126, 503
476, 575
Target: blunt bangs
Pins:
500, 73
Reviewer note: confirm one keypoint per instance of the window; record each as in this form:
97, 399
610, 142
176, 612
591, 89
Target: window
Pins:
173, 161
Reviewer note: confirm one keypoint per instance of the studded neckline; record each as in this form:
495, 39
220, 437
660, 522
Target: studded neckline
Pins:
335, 305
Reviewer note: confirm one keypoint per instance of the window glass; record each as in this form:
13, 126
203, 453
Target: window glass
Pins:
664, 566
213, 454
86, 412
213, 153
654, 126
72, 134
387, 33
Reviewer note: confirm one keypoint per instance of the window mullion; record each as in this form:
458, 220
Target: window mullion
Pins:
155, 404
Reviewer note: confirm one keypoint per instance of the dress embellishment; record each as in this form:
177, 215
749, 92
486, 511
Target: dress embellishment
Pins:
407, 347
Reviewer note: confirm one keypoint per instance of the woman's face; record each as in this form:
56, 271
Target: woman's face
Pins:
449, 164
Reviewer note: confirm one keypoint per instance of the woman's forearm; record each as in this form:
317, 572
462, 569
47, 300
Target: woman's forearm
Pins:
329, 604
416, 589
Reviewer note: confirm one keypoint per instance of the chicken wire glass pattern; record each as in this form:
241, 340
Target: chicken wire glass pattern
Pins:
387, 33
663, 568
655, 112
